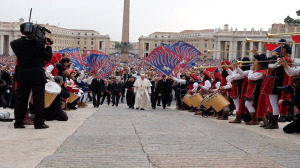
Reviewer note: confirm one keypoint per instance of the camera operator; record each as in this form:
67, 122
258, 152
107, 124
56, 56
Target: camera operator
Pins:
30, 75
294, 126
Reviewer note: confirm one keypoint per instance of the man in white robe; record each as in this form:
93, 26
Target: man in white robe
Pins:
142, 91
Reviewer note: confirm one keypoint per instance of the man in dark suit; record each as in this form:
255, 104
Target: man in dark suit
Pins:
155, 92
165, 86
107, 92
116, 90
30, 75
97, 86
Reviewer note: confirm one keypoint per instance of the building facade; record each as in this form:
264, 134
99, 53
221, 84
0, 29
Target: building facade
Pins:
62, 38
231, 41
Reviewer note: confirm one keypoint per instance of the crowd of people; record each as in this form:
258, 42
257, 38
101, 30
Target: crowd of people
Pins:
254, 91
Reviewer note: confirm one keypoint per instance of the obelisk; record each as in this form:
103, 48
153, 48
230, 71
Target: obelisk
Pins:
125, 33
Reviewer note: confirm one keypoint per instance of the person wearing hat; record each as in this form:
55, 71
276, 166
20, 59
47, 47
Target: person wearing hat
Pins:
236, 89
206, 82
193, 88
182, 88
277, 77
255, 76
216, 81
142, 91
50, 67
225, 90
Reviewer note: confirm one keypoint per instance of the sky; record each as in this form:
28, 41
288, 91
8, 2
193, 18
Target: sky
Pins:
148, 16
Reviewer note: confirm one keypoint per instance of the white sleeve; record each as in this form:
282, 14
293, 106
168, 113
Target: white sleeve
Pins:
207, 85
291, 71
49, 69
217, 86
243, 73
229, 71
228, 85
255, 76
236, 76
195, 87
180, 80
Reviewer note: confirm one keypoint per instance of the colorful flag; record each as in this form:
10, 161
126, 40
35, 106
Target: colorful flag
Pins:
296, 38
273, 47
163, 59
188, 56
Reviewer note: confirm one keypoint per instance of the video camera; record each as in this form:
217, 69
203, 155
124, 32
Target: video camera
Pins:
287, 89
35, 32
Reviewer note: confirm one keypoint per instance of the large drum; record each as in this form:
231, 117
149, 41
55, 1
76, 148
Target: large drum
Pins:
52, 89
74, 94
196, 100
186, 99
218, 102
205, 103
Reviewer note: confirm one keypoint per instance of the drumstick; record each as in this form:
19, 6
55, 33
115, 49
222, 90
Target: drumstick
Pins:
49, 75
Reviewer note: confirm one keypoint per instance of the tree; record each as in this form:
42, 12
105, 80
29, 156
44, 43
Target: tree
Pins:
292, 21
117, 44
298, 13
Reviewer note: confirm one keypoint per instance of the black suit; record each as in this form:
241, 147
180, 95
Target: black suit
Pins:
97, 89
116, 90
107, 92
154, 93
30, 75
165, 87
130, 98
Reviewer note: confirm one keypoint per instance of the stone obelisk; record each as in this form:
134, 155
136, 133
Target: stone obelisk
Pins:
125, 33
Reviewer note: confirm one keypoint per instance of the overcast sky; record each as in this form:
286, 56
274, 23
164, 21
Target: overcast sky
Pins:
148, 16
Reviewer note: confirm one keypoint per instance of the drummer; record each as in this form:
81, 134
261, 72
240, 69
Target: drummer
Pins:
193, 88
205, 84
225, 89
54, 111
51, 68
255, 75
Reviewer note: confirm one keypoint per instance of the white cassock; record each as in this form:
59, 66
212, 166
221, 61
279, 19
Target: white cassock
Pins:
142, 88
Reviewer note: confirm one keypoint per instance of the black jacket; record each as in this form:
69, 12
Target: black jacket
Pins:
107, 87
295, 101
153, 87
165, 88
116, 87
97, 86
31, 56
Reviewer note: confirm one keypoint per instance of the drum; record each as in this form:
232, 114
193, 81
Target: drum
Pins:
52, 89
205, 103
4, 115
196, 99
218, 102
186, 99
73, 96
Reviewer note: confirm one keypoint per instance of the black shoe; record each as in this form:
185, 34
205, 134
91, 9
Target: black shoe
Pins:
282, 118
164, 107
158, 105
132, 107
19, 126
44, 126
142, 109
153, 107
137, 108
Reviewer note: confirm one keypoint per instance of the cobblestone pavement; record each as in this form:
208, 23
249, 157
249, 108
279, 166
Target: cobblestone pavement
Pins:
121, 137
